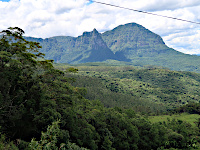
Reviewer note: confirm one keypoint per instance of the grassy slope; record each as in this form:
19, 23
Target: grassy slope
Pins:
190, 118
171, 59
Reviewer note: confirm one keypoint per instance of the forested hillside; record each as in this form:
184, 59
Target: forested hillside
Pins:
148, 89
40, 109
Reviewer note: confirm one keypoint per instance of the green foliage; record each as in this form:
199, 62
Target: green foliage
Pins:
73, 146
48, 139
182, 134
6, 145
20, 92
192, 108
72, 70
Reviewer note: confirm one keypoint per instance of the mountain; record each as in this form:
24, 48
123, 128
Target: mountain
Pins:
89, 47
144, 47
134, 40
128, 43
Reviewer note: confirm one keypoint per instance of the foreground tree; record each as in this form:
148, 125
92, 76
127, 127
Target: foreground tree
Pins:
49, 140
20, 92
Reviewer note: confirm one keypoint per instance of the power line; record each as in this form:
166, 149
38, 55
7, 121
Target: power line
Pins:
145, 12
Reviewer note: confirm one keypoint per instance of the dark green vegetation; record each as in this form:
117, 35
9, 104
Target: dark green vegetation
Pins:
128, 44
40, 109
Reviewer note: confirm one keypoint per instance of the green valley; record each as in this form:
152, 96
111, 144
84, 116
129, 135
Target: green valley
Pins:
131, 86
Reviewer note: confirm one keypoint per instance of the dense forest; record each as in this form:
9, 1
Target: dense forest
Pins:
148, 89
46, 107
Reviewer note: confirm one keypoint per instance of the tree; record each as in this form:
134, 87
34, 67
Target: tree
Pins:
20, 92
4, 144
49, 140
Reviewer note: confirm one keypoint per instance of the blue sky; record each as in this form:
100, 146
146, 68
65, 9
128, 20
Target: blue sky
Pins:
90, 2
47, 18
5, 0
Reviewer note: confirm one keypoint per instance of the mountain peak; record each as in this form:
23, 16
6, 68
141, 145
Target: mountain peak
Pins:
134, 40
97, 40
95, 30
96, 34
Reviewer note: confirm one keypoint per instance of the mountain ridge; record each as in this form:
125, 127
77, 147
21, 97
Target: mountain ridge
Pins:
129, 43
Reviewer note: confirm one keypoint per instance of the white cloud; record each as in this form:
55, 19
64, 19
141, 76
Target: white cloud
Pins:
47, 18
154, 5
187, 42
3, 4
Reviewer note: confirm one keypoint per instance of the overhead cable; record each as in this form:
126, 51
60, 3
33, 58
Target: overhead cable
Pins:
145, 12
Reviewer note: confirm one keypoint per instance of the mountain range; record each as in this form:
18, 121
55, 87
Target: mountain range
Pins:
130, 43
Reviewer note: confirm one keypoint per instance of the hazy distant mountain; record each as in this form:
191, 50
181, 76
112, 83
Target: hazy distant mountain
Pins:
130, 43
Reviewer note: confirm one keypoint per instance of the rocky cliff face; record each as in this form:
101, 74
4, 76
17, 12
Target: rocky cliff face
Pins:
98, 50
90, 47
134, 40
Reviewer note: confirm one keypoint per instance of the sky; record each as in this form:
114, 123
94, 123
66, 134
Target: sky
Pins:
48, 18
